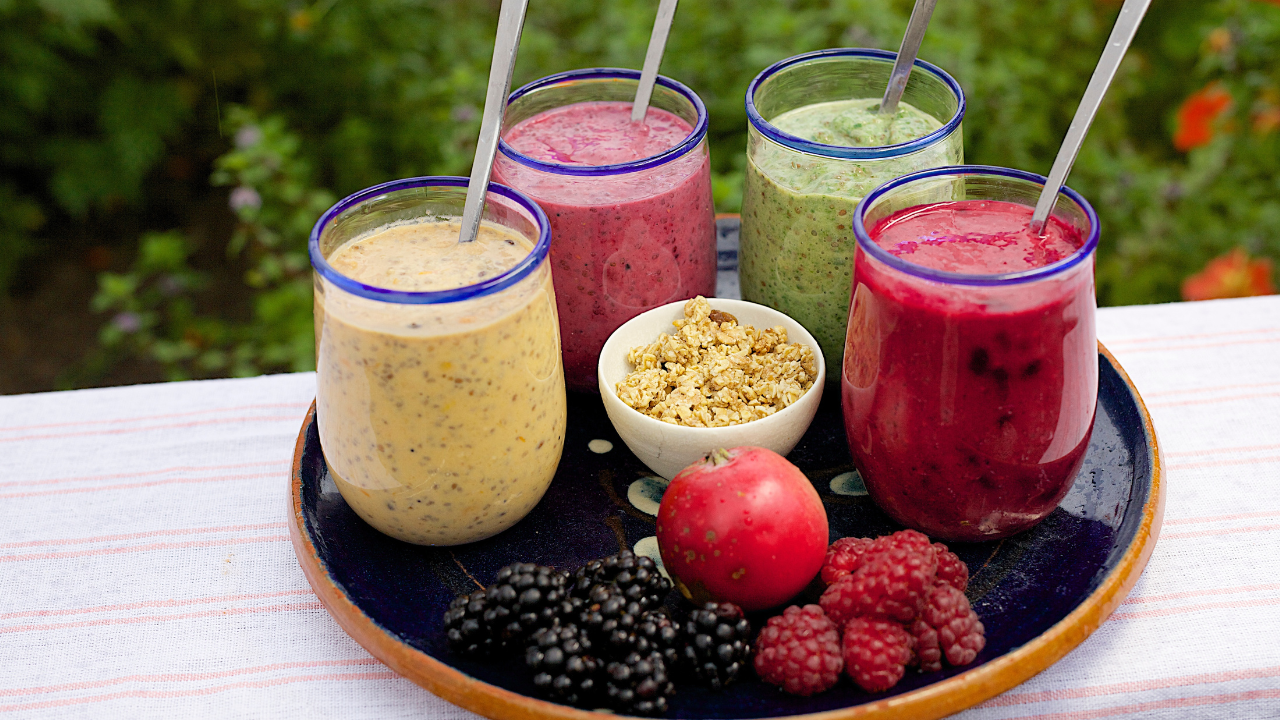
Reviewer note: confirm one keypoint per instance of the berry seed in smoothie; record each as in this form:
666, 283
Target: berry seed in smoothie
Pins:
621, 243
797, 237
968, 408
441, 423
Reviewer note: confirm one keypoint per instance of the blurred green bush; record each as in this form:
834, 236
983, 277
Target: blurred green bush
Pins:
118, 116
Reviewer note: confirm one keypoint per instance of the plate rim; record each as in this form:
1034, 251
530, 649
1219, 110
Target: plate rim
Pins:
930, 702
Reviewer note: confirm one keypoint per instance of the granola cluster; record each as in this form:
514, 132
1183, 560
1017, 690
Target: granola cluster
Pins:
713, 372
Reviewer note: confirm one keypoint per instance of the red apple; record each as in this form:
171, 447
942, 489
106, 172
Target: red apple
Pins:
742, 526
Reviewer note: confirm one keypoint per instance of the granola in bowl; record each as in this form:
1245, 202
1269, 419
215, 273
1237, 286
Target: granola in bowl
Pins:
714, 372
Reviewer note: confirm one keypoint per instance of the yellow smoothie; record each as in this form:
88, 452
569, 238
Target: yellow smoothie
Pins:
441, 423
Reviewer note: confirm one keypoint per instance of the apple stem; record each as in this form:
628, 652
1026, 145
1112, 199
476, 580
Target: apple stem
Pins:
718, 457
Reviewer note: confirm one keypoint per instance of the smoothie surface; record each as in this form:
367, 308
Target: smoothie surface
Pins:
596, 133
855, 123
978, 237
426, 256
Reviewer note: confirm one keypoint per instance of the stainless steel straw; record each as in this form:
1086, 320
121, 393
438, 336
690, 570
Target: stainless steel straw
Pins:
907, 53
510, 23
1121, 35
653, 58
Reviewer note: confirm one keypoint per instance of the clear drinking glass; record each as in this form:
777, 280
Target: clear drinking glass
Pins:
441, 414
625, 237
797, 243
969, 399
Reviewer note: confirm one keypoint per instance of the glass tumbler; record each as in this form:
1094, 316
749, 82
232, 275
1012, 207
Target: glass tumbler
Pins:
969, 399
625, 237
797, 243
441, 414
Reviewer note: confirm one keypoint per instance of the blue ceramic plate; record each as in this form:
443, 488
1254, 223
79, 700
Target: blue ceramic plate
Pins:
1039, 594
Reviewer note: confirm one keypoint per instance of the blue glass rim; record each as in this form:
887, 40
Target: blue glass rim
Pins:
485, 287
879, 152
871, 248
689, 143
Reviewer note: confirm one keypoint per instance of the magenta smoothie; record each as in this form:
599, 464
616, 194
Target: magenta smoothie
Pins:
621, 242
968, 407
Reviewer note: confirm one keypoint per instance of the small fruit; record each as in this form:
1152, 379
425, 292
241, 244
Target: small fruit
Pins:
799, 651
876, 653
742, 526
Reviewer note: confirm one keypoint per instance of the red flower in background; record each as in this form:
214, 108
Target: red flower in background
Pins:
1198, 114
1230, 276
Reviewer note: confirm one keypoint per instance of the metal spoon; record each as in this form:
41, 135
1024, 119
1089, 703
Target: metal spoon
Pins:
510, 23
907, 53
1121, 35
653, 58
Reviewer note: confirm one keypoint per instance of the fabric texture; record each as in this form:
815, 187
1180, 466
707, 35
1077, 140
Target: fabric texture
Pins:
146, 569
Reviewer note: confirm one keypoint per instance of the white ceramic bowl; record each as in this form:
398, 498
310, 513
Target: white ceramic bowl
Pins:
667, 449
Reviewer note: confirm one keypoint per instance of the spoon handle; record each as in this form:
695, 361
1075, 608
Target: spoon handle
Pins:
1121, 36
510, 23
907, 53
653, 58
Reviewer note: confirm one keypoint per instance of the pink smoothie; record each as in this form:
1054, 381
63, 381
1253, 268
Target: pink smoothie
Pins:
968, 409
621, 243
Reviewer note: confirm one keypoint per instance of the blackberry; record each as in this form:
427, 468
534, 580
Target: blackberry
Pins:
563, 665
638, 685
653, 631
636, 576
609, 618
719, 644
464, 625
523, 598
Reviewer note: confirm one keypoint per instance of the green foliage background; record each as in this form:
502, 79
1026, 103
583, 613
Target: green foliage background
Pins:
117, 117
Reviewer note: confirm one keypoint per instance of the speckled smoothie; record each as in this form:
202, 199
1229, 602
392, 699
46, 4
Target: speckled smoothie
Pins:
441, 423
797, 243
621, 243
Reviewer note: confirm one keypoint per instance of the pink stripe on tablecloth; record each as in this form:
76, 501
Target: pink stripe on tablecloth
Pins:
141, 418
131, 486
1197, 593
142, 548
188, 677
1217, 451
1198, 701
1210, 401
163, 618
1221, 463
1213, 388
152, 604
175, 469
149, 533
1198, 336
194, 423
1164, 612
1220, 518
160, 694
1009, 699
1219, 531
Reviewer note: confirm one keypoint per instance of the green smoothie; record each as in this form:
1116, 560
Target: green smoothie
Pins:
797, 244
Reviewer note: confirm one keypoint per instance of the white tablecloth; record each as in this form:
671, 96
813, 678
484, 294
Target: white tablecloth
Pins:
146, 569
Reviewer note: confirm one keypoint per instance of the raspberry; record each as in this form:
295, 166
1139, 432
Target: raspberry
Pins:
903, 539
844, 556
876, 653
799, 651
951, 569
890, 586
928, 656
960, 633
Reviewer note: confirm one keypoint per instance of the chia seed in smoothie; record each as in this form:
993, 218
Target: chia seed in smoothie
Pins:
797, 242
968, 409
621, 243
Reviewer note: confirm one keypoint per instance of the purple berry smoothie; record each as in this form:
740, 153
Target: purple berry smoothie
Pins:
968, 408
621, 243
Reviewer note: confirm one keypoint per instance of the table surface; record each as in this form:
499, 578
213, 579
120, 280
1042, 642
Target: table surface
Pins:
146, 569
